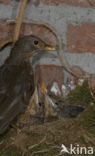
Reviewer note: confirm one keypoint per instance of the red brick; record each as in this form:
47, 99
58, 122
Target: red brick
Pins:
92, 83
81, 38
81, 3
78, 71
5, 1
7, 32
50, 74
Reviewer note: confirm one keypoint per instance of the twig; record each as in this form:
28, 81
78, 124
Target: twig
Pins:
17, 26
1, 142
19, 19
36, 145
40, 152
45, 150
89, 139
91, 92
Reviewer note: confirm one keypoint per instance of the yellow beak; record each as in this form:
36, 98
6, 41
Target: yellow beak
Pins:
50, 48
43, 88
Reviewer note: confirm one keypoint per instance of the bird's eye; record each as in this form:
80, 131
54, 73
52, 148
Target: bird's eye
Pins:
36, 42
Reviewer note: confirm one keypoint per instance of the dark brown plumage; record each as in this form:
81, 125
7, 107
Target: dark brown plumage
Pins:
17, 78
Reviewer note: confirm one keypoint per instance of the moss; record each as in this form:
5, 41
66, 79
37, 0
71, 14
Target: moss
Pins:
88, 118
81, 95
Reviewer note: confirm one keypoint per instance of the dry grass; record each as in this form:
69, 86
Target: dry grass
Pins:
32, 138
45, 139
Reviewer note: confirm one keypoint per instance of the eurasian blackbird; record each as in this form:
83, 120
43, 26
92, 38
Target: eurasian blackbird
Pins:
17, 78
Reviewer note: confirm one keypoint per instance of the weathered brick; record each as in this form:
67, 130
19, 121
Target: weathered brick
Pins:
5, 2
7, 32
81, 3
81, 38
50, 74
78, 71
92, 83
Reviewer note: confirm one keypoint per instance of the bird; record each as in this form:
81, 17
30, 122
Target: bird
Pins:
70, 111
17, 78
64, 108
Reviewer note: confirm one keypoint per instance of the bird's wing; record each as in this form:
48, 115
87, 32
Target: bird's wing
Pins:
9, 109
9, 102
16, 88
10, 106
3, 84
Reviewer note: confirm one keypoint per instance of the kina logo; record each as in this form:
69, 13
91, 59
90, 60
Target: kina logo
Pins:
77, 149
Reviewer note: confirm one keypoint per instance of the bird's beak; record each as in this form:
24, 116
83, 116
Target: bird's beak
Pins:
50, 48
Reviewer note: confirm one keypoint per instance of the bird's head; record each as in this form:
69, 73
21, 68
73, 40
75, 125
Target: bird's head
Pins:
29, 46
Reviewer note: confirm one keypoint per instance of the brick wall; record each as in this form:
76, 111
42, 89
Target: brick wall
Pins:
50, 74
81, 38
80, 3
5, 2
74, 21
